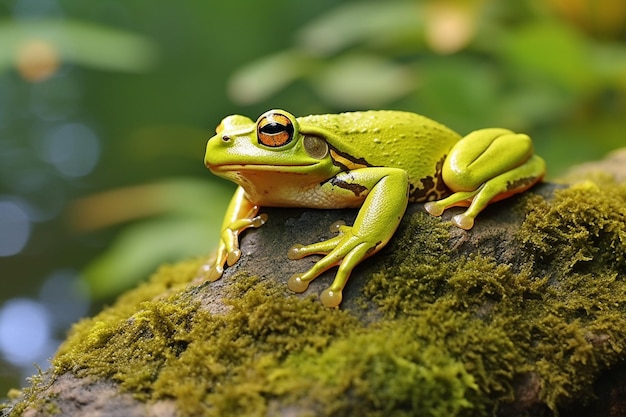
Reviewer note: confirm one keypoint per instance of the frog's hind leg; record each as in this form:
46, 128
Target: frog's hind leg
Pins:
489, 165
503, 186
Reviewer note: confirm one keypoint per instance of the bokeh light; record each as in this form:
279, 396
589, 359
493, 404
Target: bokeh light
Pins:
37, 60
24, 331
73, 149
14, 228
65, 296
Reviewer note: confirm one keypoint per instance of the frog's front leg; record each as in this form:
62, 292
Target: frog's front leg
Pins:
240, 215
386, 199
485, 166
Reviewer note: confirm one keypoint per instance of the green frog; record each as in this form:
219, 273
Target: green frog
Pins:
376, 161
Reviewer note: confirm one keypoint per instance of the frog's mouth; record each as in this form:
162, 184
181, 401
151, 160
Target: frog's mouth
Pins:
260, 167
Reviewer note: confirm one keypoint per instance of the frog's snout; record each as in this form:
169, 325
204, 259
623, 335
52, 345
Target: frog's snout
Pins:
210, 154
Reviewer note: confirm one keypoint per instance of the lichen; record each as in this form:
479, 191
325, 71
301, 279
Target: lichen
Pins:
453, 337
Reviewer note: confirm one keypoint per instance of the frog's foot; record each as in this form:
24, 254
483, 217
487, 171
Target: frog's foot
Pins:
213, 270
345, 250
463, 198
328, 297
228, 252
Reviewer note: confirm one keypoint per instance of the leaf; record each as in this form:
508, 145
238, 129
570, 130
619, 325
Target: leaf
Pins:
552, 50
261, 79
609, 63
181, 196
354, 23
361, 81
189, 225
140, 248
79, 42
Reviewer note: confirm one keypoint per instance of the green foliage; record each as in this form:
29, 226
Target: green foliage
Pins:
468, 64
189, 214
83, 43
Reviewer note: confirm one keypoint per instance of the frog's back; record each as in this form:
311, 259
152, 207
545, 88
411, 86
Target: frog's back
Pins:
397, 139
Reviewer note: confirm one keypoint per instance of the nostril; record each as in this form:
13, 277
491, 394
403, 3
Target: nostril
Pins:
225, 138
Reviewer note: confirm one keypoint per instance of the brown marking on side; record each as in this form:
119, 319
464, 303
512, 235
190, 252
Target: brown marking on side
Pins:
357, 189
516, 187
521, 184
347, 162
433, 188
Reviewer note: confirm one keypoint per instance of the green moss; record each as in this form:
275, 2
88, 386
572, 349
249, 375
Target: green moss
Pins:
577, 242
392, 373
454, 336
20, 399
581, 230
171, 347
562, 317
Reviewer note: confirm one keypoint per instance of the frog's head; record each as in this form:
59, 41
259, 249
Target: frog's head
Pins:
274, 143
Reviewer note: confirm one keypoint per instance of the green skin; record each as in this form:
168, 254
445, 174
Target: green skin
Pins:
376, 160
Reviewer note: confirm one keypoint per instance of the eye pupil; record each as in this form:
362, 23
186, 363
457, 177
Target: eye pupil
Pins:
275, 130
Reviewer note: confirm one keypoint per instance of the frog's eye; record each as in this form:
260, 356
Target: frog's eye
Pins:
275, 130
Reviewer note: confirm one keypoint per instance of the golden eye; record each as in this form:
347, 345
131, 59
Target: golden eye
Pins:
274, 130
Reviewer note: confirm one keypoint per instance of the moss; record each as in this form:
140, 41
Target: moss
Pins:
393, 373
21, 399
581, 230
561, 316
171, 347
454, 336
577, 242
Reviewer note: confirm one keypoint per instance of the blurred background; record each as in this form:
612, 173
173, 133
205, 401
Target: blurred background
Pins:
106, 106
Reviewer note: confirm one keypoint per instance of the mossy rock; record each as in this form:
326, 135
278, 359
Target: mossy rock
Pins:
523, 315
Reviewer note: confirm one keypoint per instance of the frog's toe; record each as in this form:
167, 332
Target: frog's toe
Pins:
330, 298
259, 220
233, 256
297, 284
338, 226
433, 208
210, 272
296, 252
463, 221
